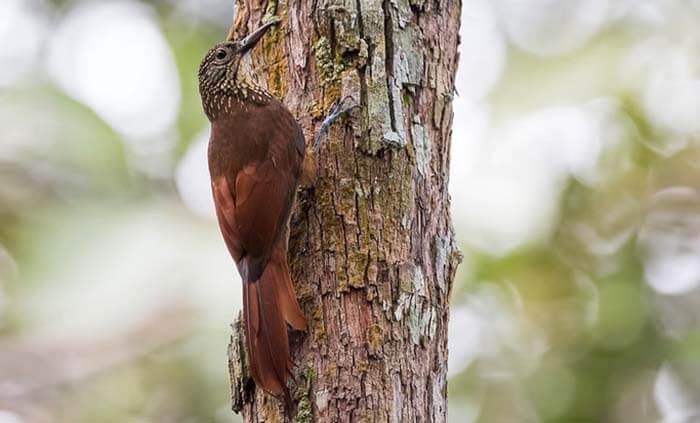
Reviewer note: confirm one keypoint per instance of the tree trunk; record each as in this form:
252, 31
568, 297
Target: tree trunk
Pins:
371, 248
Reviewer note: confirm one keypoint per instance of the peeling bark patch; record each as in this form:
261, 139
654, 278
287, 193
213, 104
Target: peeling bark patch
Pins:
438, 398
238, 366
422, 147
414, 305
409, 71
421, 321
375, 340
412, 279
322, 399
389, 60
398, 399
394, 139
347, 28
402, 303
443, 250
419, 281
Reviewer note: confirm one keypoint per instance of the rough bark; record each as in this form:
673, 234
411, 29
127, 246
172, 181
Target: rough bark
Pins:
371, 248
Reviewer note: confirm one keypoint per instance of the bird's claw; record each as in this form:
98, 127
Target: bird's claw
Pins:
338, 109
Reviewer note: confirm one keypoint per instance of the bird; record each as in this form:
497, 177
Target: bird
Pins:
257, 158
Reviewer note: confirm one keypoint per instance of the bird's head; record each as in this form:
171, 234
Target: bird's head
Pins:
219, 69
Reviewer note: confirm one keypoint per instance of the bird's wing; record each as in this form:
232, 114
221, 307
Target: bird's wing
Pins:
253, 208
224, 205
264, 196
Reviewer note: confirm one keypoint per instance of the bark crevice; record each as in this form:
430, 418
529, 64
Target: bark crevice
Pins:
389, 60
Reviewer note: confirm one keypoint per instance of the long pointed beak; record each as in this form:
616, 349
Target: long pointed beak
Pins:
252, 39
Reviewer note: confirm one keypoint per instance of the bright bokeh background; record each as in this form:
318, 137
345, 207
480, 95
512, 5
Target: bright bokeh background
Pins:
576, 199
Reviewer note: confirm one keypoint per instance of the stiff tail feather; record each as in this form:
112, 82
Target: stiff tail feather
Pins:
268, 305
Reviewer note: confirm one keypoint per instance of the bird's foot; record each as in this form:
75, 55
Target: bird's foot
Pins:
338, 109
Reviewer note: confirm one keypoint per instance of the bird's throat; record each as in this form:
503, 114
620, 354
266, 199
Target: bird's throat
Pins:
231, 96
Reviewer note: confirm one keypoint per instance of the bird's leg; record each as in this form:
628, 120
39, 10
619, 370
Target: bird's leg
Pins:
309, 166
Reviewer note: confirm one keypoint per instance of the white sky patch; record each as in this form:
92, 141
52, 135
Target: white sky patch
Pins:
506, 182
674, 401
672, 96
192, 178
669, 241
8, 417
482, 50
653, 14
8, 272
667, 77
464, 334
120, 273
551, 27
487, 325
214, 10
113, 57
21, 33
504, 206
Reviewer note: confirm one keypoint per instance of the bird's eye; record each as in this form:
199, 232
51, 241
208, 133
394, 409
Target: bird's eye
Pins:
221, 54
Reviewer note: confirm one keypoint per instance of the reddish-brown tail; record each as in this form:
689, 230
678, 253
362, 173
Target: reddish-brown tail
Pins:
268, 305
